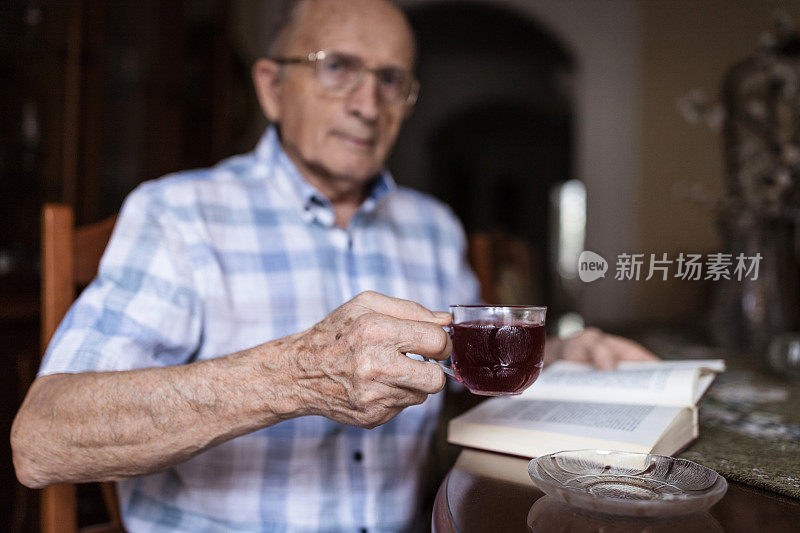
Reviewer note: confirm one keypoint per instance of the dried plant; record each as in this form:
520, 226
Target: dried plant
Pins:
758, 115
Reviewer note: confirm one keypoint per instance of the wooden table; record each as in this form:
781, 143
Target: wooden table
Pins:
488, 492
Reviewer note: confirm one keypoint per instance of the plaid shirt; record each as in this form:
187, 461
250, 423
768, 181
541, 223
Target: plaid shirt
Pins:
208, 262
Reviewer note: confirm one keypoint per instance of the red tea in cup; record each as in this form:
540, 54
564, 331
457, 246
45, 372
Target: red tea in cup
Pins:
496, 359
497, 350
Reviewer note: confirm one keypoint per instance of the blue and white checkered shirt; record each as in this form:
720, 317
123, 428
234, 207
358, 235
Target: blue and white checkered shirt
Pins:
208, 262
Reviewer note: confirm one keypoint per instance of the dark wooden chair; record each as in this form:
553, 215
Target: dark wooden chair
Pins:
70, 257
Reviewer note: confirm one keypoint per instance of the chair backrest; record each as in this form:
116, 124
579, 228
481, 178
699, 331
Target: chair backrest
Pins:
479, 253
506, 266
70, 257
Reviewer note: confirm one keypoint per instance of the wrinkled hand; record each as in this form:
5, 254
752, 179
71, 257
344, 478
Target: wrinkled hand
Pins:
593, 346
351, 367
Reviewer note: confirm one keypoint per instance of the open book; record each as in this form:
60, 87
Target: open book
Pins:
638, 407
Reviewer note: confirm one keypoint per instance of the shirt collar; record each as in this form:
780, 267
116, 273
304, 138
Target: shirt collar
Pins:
276, 166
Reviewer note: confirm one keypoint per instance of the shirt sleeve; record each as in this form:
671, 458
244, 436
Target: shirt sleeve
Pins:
463, 287
142, 309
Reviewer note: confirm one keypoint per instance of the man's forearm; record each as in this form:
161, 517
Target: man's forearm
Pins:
99, 426
350, 367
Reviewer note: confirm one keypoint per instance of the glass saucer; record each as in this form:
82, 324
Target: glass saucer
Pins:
628, 484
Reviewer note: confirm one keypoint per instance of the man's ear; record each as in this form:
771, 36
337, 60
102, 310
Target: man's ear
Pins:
266, 79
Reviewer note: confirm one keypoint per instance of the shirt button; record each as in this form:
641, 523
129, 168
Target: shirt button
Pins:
357, 456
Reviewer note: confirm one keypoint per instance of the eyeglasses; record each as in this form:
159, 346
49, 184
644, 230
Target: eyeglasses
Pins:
342, 73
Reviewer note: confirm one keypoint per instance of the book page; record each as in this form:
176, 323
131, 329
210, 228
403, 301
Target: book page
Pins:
704, 381
635, 424
678, 383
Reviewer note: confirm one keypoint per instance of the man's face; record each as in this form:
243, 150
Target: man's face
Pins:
346, 136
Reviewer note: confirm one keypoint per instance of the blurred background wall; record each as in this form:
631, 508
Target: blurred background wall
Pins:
594, 87
518, 95
686, 46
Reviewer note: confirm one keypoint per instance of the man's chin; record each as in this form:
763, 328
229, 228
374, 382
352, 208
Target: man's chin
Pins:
358, 172
356, 178
353, 174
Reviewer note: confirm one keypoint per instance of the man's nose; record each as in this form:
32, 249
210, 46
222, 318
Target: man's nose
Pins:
363, 100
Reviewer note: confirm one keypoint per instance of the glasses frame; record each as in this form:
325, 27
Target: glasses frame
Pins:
314, 58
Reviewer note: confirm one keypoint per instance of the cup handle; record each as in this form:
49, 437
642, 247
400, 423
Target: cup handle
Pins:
445, 368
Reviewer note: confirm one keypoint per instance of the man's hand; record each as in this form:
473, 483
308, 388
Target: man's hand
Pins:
351, 367
593, 346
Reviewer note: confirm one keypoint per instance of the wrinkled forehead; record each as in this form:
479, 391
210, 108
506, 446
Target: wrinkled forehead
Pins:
372, 29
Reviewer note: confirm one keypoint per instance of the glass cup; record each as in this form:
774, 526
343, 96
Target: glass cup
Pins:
784, 355
497, 350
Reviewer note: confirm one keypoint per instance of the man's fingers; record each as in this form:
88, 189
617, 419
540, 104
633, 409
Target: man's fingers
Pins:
603, 350
629, 350
408, 336
423, 338
602, 356
420, 376
399, 308
412, 397
574, 350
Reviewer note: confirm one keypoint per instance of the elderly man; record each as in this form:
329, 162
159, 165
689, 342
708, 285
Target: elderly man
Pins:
227, 359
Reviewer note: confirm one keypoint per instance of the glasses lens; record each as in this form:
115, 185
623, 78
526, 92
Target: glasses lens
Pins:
339, 71
394, 84
342, 72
